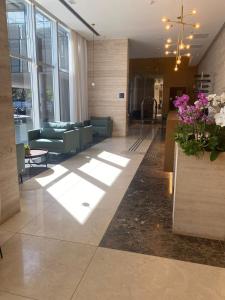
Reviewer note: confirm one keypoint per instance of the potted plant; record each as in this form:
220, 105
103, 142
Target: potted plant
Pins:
27, 150
199, 201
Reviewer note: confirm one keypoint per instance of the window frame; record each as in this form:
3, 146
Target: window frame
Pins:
31, 7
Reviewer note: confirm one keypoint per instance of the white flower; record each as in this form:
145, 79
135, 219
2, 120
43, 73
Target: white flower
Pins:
212, 111
211, 97
220, 117
222, 98
216, 101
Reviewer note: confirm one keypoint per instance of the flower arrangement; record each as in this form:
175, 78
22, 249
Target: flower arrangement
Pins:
201, 125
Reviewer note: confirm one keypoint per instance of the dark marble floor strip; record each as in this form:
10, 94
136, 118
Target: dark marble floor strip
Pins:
143, 221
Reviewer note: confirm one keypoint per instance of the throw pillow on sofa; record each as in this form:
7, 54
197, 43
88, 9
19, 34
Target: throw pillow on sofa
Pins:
58, 125
52, 133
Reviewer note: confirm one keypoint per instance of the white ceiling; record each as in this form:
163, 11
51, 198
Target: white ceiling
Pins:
140, 21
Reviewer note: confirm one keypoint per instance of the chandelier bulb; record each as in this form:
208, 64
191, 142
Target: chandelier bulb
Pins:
179, 61
197, 26
168, 26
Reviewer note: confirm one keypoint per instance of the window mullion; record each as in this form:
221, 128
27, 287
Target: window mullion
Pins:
56, 71
34, 77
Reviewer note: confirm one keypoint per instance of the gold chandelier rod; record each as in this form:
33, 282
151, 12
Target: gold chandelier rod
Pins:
180, 45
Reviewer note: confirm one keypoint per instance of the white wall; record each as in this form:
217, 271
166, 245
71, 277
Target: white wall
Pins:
213, 63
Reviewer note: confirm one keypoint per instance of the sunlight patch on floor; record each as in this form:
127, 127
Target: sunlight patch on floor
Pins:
56, 172
78, 196
114, 158
102, 172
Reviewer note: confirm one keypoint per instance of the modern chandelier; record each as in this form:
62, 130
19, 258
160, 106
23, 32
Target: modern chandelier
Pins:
181, 46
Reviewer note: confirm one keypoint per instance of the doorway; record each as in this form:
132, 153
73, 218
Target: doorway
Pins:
145, 98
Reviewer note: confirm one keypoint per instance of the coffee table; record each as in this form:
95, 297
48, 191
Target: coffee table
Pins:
37, 153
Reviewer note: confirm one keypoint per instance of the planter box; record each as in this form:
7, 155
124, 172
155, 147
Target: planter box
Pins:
199, 196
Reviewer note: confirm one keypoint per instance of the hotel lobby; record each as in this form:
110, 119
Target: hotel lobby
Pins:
112, 126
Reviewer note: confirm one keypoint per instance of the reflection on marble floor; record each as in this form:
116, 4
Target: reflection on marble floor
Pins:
51, 248
143, 222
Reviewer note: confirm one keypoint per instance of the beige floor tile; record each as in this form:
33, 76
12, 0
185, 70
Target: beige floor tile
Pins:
75, 219
43, 268
117, 275
86, 193
7, 296
32, 202
5, 236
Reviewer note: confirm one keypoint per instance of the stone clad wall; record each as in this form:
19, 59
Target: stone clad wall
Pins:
9, 189
111, 78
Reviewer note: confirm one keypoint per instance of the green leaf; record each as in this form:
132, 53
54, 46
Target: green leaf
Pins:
214, 155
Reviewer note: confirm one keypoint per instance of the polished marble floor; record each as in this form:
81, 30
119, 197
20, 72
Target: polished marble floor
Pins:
51, 248
143, 221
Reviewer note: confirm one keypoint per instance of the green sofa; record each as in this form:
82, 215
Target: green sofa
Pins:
85, 134
20, 154
102, 126
58, 137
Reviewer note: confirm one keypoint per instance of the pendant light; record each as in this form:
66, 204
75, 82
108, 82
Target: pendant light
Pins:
180, 46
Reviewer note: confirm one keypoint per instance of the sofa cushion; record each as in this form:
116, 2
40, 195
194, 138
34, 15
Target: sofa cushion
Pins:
78, 124
87, 123
52, 133
59, 125
100, 131
101, 118
99, 122
48, 144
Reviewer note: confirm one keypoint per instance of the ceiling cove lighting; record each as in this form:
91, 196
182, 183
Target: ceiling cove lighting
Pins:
63, 2
179, 47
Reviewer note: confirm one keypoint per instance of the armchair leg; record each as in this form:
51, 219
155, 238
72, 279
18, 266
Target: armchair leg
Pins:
1, 255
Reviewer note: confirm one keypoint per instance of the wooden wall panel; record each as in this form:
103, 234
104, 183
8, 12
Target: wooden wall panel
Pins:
164, 67
9, 189
111, 77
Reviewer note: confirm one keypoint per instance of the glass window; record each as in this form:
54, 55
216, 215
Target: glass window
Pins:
43, 38
44, 31
64, 96
17, 31
22, 98
17, 19
63, 53
46, 97
63, 44
39, 69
